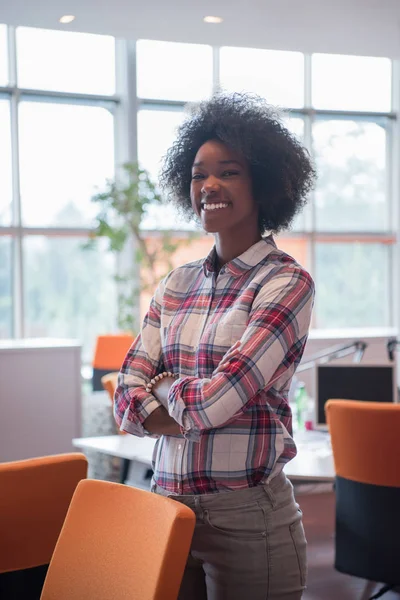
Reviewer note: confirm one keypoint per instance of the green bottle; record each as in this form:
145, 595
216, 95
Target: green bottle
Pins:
301, 400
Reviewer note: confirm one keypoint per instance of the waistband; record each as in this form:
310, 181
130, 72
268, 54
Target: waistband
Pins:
231, 498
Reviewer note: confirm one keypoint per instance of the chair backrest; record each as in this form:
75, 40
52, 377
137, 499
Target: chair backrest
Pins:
34, 498
366, 449
365, 440
109, 355
109, 383
120, 542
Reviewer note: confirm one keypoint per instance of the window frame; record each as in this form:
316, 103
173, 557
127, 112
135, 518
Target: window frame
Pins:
16, 229
125, 105
310, 115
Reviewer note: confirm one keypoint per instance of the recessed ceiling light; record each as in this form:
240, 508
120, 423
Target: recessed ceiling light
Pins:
67, 19
211, 19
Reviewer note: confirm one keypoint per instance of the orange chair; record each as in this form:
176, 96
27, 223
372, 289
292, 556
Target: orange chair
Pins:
120, 542
109, 383
109, 355
34, 498
366, 449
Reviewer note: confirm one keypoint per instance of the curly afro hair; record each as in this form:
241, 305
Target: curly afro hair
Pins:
280, 167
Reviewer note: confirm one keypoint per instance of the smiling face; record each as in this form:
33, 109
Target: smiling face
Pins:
221, 190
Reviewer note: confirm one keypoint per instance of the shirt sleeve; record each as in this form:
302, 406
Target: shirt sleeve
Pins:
271, 346
132, 404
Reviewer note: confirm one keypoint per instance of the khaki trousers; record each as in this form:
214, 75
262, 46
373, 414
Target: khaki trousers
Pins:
247, 545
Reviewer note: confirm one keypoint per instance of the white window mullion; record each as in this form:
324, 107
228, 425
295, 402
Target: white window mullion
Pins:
18, 328
394, 289
216, 69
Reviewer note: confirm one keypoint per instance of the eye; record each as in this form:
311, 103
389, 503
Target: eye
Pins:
197, 176
230, 173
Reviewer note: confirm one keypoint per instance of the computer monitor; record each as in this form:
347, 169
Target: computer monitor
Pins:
372, 383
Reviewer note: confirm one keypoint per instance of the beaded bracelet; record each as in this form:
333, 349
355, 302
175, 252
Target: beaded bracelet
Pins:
149, 386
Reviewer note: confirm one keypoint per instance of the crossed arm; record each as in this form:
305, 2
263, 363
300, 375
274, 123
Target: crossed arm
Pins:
271, 347
159, 422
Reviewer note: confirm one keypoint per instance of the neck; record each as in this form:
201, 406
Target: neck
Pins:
230, 246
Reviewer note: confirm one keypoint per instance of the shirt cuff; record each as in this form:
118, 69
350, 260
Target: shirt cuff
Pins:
132, 422
178, 411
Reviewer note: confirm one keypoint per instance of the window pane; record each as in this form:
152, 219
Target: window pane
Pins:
297, 247
351, 167
65, 151
353, 285
5, 164
5, 288
276, 75
65, 61
351, 82
172, 71
295, 126
156, 133
3, 56
69, 292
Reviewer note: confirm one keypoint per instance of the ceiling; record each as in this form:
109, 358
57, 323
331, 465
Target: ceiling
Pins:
369, 27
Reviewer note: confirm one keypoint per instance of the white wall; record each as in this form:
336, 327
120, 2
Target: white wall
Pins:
40, 397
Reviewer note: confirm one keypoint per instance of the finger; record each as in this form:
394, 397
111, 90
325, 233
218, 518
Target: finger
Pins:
235, 348
230, 354
222, 365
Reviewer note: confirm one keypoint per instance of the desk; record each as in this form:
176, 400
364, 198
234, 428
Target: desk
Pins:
313, 463
314, 460
121, 446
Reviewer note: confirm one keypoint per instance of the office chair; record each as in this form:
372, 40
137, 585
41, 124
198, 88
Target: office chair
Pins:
34, 498
366, 451
109, 383
120, 542
109, 355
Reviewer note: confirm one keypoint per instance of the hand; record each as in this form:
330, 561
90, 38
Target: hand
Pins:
160, 423
232, 352
161, 389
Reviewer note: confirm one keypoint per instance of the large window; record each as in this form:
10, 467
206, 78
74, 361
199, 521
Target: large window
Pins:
68, 292
65, 61
56, 146
65, 121
65, 150
278, 76
171, 71
340, 107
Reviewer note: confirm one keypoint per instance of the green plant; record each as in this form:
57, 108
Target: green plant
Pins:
122, 207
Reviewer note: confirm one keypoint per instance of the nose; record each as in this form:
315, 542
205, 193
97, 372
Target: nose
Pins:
210, 186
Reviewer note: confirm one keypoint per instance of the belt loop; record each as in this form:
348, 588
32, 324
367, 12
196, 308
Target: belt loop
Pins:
270, 494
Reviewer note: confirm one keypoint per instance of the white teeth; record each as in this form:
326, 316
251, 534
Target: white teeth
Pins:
214, 206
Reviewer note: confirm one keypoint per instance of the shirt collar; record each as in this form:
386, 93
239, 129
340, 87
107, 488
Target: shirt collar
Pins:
239, 265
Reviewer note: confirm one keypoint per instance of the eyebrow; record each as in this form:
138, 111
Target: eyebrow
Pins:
221, 162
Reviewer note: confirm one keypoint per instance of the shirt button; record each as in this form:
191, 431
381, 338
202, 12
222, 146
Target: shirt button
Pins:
180, 447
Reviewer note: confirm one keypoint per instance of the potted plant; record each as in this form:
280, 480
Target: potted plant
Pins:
123, 204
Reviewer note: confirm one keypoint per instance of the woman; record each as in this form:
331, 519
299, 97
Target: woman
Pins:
210, 372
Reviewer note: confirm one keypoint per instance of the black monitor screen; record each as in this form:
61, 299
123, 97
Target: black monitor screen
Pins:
353, 382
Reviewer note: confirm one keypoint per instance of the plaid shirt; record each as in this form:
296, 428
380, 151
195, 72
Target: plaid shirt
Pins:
237, 423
